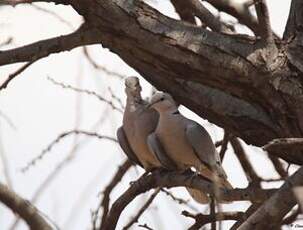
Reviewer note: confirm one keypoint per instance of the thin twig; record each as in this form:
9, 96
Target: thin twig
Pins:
59, 138
104, 203
142, 209
15, 74
88, 92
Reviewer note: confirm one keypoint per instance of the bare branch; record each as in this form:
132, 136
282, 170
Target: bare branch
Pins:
82, 36
145, 226
58, 139
24, 209
224, 144
284, 144
299, 195
88, 92
248, 169
185, 12
278, 166
201, 219
15, 74
272, 211
142, 209
107, 191
160, 178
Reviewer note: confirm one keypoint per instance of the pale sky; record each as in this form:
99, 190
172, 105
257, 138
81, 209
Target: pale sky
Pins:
41, 111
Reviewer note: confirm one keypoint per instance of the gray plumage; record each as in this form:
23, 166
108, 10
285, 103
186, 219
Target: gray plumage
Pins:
187, 143
138, 122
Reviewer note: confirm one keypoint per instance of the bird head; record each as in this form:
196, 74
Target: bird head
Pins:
133, 87
161, 102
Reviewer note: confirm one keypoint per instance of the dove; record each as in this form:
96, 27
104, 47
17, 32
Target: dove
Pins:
186, 143
138, 122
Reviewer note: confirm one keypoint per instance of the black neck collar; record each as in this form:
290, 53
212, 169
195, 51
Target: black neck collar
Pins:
176, 112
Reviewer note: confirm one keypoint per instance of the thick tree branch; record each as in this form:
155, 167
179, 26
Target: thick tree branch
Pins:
161, 178
83, 36
284, 144
270, 214
184, 11
24, 209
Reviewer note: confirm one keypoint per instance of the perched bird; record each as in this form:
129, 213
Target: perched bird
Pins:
187, 143
138, 122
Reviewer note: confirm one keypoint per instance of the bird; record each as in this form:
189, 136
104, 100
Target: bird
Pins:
138, 122
186, 143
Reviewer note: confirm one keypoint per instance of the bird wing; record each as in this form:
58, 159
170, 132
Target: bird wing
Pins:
124, 144
157, 149
204, 148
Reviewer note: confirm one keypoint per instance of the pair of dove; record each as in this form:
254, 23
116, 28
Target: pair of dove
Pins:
155, 135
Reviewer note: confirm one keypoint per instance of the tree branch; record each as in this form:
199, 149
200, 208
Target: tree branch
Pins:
24, 209
271, 213
83, 36
142, 209
160, 178
201, 219
284, 144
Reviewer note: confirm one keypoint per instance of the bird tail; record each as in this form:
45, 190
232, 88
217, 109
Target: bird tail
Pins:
198, 195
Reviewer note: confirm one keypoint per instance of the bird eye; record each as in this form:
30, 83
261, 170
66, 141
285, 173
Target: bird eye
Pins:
162, 99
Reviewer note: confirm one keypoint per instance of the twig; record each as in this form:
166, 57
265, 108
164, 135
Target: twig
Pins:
15, 74
145, 226
292, 217
58, 139
142, 209
88, 92
201, 219
104, 203
8, 120
100, 67
116, 98
224, 144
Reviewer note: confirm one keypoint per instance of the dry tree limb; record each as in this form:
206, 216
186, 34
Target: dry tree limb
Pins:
292, 217
201, 219
24, 209
284, 144
248, 169
88, 92
142, 209
107, 191
16, 2
145, 226
224, 144
272, 211
161, 178
59, 138
247, 214
15, 74
278, 166
184, 11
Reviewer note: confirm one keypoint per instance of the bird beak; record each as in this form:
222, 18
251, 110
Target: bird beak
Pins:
151, 104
